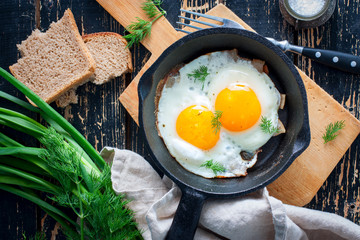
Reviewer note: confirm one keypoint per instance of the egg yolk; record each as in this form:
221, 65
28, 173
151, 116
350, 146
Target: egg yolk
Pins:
240, 107
194, 126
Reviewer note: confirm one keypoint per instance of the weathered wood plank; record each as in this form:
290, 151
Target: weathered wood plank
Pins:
17, 216
102, 119
340, 193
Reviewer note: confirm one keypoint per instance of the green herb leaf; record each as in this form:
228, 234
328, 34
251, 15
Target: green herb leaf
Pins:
142, 28
331, 129
53, 114
18, 101
150, 8
200, 74
139, 30
267, 126
215, 166
215, 122
35, 199
78, 177
86, 191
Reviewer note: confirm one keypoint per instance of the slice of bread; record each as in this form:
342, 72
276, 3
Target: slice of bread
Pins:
111, 55
112, 59
54, 61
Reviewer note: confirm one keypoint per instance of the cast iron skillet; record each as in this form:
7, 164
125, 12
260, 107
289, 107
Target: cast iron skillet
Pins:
276, 155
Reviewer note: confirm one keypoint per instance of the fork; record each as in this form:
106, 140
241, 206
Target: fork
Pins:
339, 60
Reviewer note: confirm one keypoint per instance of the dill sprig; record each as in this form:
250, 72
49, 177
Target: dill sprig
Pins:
152, 8
142, 28
139, 30
200, 75
215, 122
87, 192
331, 129
80, 177
267, 126
215, 166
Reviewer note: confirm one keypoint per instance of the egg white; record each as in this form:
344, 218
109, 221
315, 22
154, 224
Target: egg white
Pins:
223, 69
244, 73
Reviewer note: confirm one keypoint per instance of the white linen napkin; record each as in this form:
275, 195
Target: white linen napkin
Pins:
254, 216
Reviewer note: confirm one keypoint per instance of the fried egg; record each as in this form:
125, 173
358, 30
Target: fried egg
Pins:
207, 122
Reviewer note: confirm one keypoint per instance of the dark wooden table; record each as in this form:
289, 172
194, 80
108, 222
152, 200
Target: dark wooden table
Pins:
104, 122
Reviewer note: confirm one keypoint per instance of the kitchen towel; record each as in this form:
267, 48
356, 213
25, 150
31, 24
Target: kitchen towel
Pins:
254, 216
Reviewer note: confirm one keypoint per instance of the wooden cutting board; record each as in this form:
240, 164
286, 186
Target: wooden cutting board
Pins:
300, 182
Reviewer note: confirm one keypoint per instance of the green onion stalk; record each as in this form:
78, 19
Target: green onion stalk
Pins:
66, 168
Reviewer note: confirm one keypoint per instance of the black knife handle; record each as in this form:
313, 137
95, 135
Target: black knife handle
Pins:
342, 61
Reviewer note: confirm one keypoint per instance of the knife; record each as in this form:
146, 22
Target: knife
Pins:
339, 60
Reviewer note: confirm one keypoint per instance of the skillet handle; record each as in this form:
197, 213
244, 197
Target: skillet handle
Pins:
187, 215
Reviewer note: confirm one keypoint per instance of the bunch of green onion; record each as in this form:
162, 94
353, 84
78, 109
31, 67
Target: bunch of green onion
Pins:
66, 167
